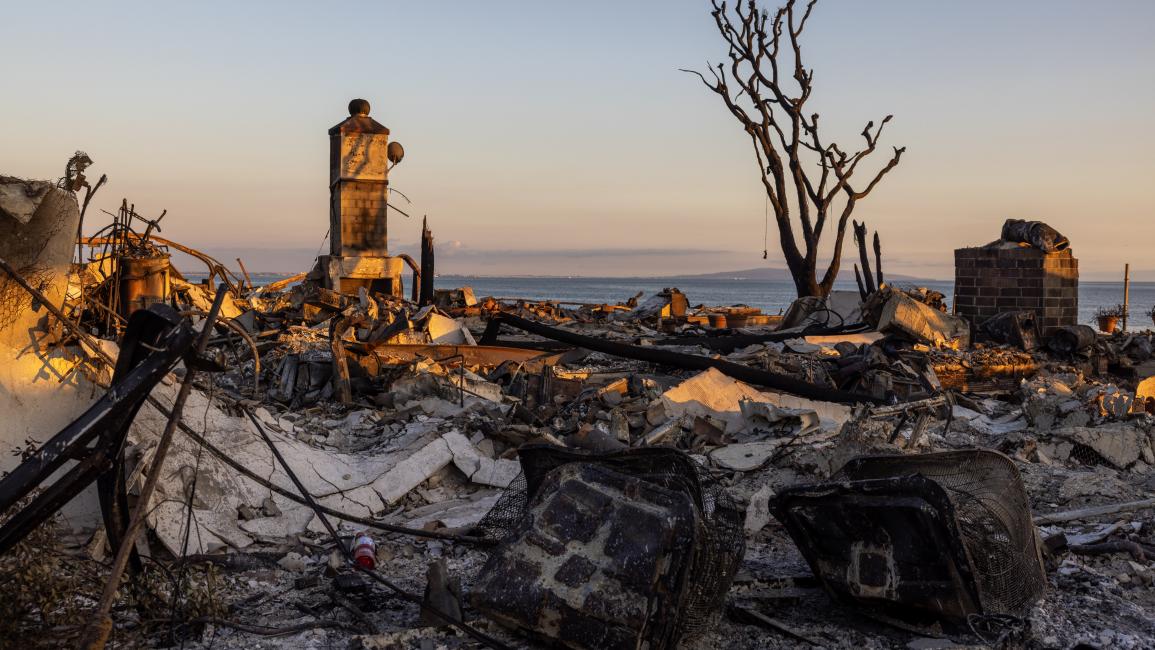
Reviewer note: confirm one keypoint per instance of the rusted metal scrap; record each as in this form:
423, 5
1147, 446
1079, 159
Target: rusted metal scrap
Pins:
942, 536
618, 550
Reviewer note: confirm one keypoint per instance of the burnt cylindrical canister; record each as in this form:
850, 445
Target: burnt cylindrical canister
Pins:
143, 282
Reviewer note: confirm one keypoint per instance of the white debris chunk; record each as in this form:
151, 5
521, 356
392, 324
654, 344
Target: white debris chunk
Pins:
479, 468
744, 457
758, 512
413, 471
714, 394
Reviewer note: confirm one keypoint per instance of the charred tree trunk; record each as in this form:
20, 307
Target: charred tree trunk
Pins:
426, 297
809, 183
878, 260
864, 258
868, 282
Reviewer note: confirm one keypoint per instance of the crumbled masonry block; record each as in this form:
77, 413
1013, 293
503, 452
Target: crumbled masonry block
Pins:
413, 471
1117, 443
479, 468
917, 321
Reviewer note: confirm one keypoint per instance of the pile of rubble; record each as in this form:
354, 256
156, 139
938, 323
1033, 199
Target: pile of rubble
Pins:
368, 471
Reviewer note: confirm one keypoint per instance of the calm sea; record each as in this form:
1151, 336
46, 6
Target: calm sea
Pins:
769, 295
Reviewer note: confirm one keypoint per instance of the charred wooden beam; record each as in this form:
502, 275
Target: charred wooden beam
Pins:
878, 259
738, 371
426, 297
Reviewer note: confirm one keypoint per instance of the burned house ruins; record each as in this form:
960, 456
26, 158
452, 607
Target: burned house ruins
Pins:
332, 460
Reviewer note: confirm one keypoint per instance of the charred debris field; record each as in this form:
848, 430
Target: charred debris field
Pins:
328, 461
366, 456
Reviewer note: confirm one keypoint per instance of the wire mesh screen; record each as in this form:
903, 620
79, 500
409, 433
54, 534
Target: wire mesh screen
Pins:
993, 514
719, 538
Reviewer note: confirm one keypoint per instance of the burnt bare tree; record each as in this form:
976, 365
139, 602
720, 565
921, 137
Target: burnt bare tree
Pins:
766, 86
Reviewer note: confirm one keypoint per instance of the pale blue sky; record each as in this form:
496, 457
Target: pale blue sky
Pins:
566, 125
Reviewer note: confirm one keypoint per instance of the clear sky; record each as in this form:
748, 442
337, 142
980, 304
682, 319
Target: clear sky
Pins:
560, 138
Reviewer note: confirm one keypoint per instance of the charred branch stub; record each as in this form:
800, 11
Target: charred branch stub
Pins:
809, 181
868, 281
427, 265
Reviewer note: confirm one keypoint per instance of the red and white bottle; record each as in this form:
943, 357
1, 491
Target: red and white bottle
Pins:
364, 551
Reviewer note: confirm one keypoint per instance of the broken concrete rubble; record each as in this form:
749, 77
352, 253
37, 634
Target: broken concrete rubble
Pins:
904, 316
741, 406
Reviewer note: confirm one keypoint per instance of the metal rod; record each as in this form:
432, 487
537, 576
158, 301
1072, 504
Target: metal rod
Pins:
1094, 511
97, 634
464, 627
246, 273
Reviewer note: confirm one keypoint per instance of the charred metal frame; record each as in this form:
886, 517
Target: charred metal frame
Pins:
871, 542
156, 339
944, 536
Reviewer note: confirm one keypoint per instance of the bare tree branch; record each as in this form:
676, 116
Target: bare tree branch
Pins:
803, 176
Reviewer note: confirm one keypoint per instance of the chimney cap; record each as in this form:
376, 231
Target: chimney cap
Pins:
358, 107
359, 120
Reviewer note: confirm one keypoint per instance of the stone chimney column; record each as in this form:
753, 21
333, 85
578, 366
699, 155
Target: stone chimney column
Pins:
359, 185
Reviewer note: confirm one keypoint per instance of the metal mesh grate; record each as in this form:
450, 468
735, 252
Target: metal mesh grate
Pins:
720, 540
993, 514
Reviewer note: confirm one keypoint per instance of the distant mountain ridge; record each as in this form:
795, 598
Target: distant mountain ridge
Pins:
778, 274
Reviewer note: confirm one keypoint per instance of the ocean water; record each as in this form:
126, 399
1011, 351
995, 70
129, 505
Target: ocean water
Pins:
771, 296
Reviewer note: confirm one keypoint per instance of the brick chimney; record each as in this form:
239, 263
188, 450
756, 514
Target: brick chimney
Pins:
359, 160
359, 184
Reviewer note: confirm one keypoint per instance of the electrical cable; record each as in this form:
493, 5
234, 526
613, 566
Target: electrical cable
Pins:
766, 231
